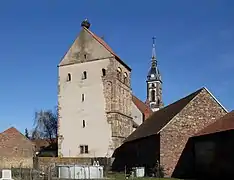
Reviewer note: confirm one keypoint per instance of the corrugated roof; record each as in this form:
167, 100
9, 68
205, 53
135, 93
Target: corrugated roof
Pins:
224, 123
161, 118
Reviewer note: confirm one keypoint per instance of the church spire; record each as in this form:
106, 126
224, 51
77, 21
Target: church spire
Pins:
153, 58
154, 82
154, 73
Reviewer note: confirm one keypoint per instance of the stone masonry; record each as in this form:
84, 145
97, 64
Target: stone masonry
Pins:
118, 98
200, 112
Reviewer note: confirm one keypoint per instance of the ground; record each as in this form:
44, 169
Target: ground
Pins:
121, 176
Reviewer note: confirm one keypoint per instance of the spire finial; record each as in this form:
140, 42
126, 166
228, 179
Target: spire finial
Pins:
153, 58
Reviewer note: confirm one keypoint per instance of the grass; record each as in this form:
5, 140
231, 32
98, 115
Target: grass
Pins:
121, 176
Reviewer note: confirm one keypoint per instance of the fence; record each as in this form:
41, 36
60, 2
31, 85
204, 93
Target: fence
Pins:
46, 168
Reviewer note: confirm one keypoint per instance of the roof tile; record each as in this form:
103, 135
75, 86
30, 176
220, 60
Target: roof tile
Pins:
161, 118
224, 123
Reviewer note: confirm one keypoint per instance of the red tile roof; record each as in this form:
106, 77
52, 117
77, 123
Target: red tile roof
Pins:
224, 123
9, 134
142, 107
104, 44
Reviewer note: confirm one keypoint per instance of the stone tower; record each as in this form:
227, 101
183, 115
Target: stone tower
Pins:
154, 83
94, 98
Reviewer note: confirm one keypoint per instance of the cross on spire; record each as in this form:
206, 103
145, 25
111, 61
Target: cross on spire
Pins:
153, 58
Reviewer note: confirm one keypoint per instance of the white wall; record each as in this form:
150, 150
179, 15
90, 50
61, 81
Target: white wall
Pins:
136, 114
97, 133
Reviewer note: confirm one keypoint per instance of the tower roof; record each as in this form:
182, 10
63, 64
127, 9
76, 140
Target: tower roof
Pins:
153, 74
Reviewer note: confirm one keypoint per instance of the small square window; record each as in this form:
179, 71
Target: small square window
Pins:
84, 149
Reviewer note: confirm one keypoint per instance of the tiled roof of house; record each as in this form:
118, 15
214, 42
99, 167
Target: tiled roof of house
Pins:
9, 134
161, 118
142, 106
224, 123
12, 138
105, 45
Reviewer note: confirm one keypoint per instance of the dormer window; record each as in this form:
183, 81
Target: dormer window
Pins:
84, 75
103, 72
69, 77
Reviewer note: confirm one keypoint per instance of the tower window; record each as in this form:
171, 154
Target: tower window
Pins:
158, 102
85, 56
153, 95
125, 78
68, 77
84, 75
103, 72
83, 124
153, 85
84, 149
82, 97
119, 71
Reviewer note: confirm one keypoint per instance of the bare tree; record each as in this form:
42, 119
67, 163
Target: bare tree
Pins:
45, 125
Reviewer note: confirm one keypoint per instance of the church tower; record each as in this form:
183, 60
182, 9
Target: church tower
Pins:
94, 98
154, 83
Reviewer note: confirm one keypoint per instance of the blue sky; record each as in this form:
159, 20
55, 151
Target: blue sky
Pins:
195, 48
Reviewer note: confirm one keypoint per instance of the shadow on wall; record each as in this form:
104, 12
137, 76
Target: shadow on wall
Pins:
208, 156
185, 166
139, 153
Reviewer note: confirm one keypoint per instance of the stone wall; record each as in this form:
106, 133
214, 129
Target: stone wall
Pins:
16, 162
200, 112
117, 92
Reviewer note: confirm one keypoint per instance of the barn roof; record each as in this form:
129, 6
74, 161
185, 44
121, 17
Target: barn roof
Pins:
161, 118
224, 123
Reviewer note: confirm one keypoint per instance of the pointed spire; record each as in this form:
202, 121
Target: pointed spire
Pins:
153, 58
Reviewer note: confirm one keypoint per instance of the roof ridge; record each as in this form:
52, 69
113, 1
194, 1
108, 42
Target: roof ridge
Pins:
215, 99
218, 125
161, 118
106, 46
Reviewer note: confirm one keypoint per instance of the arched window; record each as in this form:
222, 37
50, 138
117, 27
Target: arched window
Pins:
83, 124
84, 75
153, 85
103, 72
119, 71
153, 95
158, 102
68, 77
125, 78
